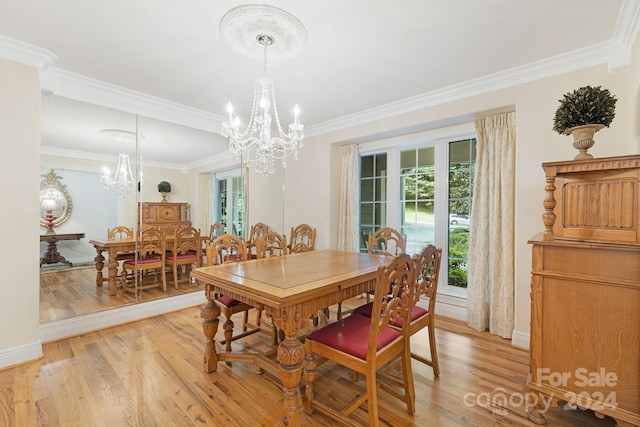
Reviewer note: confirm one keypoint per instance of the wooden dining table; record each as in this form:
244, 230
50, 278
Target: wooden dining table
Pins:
289, 288
112, 247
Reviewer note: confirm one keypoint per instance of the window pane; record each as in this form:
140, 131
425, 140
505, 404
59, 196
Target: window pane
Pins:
366, 190
407, 161
381, 165
381, 189
381, 214
461, 166
426, 157
459, 183
425, 186
366, 214
366, 167
373, 195
458, 254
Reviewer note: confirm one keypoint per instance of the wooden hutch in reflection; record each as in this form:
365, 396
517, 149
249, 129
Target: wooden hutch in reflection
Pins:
585, 290
164, 215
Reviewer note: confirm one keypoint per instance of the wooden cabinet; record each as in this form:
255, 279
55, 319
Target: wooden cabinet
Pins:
585, 291
164, 215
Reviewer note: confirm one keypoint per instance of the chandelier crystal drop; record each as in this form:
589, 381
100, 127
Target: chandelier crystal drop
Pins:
263, 141
122, 181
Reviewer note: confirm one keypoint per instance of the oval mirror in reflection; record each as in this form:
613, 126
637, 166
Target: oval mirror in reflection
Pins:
55, 201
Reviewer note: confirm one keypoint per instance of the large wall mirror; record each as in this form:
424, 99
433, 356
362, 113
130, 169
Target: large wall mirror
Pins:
189, 159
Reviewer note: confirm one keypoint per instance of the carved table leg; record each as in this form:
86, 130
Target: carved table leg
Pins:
113, 272
99, 259
291, 355
210, 313
53, 256
309, 376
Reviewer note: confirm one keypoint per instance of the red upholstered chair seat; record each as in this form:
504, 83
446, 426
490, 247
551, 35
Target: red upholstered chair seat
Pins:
143, 261
125, 255
227, 301
416, 312
351, 335
182, 256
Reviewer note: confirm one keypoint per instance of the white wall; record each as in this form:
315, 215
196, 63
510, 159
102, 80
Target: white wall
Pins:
313, 181
19, 227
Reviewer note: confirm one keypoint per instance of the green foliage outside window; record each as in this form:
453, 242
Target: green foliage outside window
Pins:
458, 249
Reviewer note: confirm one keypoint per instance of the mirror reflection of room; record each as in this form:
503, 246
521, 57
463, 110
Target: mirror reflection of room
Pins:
74, 287
199, 194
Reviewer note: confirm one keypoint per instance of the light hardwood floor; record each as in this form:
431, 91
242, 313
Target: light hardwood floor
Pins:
149, 373
71, 293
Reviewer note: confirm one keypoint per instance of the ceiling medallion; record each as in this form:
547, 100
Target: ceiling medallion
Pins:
241, 26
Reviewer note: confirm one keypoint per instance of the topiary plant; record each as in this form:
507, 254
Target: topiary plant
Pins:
584, 106
164, 187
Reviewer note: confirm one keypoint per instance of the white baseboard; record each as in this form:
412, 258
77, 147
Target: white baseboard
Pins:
20, 354
451, 310
520, 339
117, 316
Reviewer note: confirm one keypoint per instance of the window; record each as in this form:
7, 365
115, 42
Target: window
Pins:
432, 203
462, 159
373, 195
229, 203
417, 197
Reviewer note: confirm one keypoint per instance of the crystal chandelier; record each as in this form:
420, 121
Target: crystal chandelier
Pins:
121, 182
256, 144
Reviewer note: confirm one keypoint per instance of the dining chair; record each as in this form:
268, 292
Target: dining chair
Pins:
223, 249
122, 232
303, 238
256, 231
150, 261
270, 244
185, 253
216, 229
367, 344
385, 241
427, 272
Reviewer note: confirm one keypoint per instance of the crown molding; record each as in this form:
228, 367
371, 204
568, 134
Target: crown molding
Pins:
628, 23
578, 59
206, 161
25, 53
75, 154
84, 155
64, 83
624, 36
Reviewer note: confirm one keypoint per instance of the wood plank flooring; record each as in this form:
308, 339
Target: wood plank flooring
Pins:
149, 373
67, 294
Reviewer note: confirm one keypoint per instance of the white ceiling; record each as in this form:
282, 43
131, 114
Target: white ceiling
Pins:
361, 54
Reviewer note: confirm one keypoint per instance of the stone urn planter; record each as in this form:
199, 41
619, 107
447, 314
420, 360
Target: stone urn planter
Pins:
583, 139
582, 113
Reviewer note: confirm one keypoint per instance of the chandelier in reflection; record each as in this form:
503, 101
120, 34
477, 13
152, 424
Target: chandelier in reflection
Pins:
264, 141
121, 181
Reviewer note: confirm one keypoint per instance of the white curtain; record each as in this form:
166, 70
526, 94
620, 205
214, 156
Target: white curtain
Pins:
348, 215
491, 270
